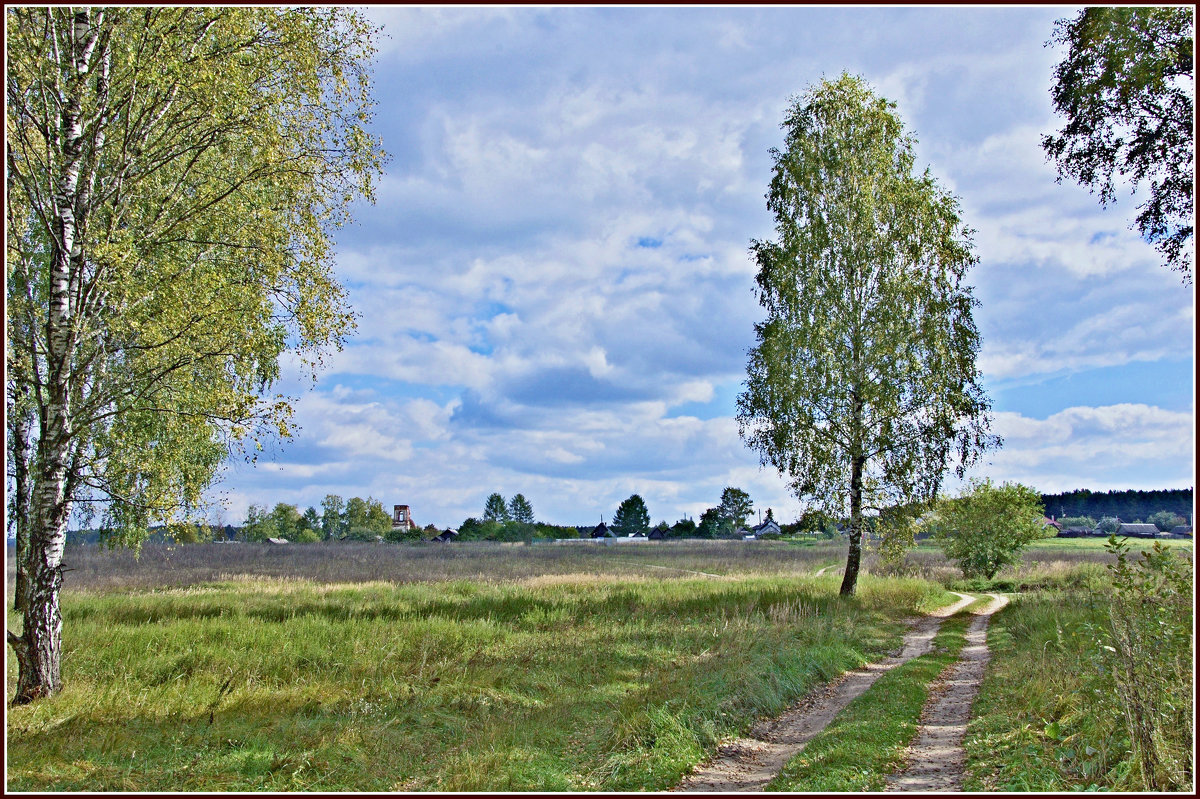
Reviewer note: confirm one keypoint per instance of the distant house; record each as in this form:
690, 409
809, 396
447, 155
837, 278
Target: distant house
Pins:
1048, 521
768, 526
277, 540
1075, 532
657, 534
445, 536
1138, 530
601, 531
1182, 531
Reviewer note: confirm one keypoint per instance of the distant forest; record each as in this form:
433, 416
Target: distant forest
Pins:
1128, 506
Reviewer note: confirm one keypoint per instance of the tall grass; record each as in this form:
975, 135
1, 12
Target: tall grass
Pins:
553, 683
1074, 722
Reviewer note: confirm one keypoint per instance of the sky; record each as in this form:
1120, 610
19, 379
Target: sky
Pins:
555, 291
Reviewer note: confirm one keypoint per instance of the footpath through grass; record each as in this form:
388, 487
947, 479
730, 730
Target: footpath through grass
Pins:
867, 740
563, 684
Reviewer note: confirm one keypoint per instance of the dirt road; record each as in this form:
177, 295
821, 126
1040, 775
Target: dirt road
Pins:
935, 757
748, 764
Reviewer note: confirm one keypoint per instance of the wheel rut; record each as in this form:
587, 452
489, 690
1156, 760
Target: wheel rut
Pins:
748, 764
936, 758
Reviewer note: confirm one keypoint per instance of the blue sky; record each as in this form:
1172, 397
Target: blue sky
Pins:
555, 290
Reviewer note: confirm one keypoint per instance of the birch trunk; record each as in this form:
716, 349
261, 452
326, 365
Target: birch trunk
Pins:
39, 646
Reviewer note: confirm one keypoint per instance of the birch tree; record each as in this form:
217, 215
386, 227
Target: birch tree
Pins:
174, 179
862, 387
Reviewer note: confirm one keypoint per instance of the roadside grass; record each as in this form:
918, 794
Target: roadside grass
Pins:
867, 740
555, 683
1063, 729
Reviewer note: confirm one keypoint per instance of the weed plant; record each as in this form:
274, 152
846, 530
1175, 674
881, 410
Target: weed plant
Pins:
556, 683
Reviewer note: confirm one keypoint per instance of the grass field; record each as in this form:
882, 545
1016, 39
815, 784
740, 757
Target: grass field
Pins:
573, 679
361, 667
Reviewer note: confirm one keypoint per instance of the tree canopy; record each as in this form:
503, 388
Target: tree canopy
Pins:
495, 509
863, 384
735, 507
631, 517
1126, 90
175, 176
520, 510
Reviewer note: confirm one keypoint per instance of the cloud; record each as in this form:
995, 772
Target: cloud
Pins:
555, 284
1127, 445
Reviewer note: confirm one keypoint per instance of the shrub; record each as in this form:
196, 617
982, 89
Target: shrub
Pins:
307, 537
986, 527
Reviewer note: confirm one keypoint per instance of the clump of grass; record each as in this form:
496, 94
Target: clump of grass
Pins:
867, 740
293, 685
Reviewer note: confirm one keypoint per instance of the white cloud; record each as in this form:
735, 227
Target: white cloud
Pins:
559, 256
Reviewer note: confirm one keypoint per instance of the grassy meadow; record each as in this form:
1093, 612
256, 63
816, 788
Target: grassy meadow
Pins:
484, 667
608, 670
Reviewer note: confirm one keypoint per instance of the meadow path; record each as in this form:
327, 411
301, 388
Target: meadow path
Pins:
748, 764
936, 758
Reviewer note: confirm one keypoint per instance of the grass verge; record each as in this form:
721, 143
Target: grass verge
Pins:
867, 740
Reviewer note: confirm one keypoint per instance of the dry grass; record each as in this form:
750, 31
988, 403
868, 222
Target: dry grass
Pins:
91, 568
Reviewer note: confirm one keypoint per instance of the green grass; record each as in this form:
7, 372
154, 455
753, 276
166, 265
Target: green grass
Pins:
566, 683
1062, 730
867, 740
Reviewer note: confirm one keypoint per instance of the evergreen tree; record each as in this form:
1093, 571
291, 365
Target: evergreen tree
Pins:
631, 517
495, 509
519, 510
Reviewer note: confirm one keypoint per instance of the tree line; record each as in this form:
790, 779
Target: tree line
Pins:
1128, 506
513, 520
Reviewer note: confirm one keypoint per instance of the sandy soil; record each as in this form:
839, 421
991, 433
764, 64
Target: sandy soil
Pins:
748, 764
936, 758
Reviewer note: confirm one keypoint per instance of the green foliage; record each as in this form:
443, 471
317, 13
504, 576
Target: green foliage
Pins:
495, 509
366, 515
286, 520
311, 521
1152, 662
735, 507
333, 524
987, 526
1166, 521
863, 384
1125, 504
1125, 88
711, 524
1108, 525
519, 510
684, 528
306, 535
1077, 521
259, 525
197, 197
631, 517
